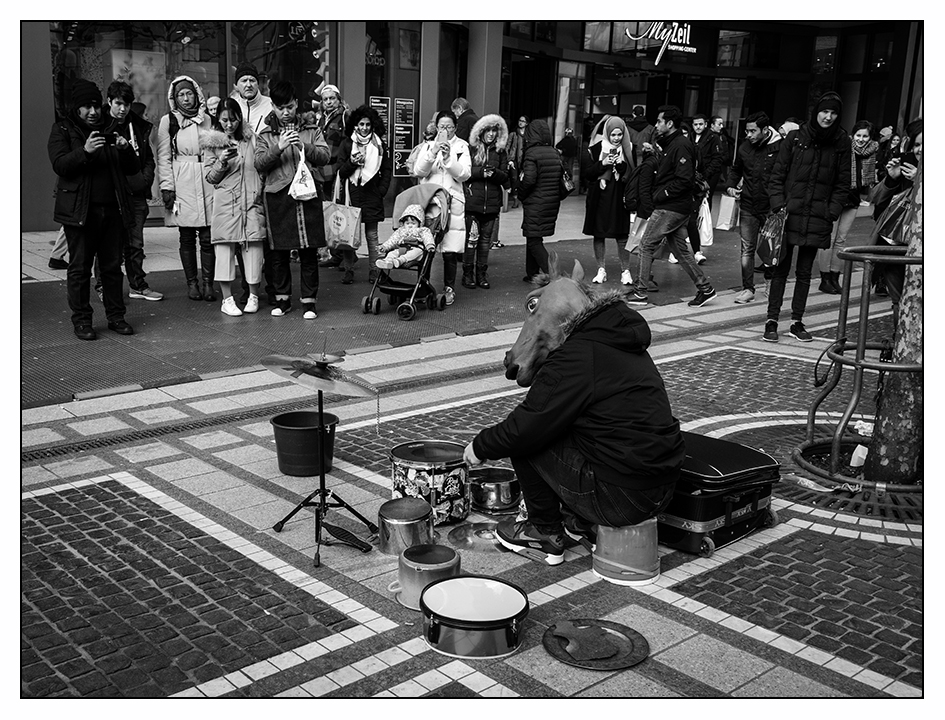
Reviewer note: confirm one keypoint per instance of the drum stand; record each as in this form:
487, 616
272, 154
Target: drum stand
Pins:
322, 499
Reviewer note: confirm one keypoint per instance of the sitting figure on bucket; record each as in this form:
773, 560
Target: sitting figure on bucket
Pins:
408, 241
594, 442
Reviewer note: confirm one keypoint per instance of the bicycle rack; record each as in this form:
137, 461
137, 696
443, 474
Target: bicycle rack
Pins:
836, 352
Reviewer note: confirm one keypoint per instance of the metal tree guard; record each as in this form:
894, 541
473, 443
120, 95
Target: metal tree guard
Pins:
837, 350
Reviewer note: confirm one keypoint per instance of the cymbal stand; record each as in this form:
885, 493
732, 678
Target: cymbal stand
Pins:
328, 499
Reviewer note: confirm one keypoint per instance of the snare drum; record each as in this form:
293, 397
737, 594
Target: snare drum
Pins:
472, 616
435, 471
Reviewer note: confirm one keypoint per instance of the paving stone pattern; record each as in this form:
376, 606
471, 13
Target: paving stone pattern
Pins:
861, 602
123, 599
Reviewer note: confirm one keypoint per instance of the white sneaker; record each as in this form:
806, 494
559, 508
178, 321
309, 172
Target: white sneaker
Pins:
745, 296
700, 258
146, 294
673, 260
308, 311
600, 277
626, 278
229, 307
384, 263
252, 304
450, 295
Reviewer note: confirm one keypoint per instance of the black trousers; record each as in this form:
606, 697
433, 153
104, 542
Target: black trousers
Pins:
100, 237
308, 272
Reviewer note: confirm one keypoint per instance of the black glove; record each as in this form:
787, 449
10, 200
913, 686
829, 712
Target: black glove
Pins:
168, 197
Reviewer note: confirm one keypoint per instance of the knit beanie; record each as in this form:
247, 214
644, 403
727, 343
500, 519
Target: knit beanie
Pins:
245, 68
85, 92
182, 84
830, 101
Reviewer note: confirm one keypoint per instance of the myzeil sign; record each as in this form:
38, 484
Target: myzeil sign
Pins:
673, 36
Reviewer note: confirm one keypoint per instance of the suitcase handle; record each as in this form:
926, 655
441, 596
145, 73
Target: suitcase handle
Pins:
730, 500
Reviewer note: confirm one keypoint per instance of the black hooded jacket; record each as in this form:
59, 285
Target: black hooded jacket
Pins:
673, 184
602, 389
538, 187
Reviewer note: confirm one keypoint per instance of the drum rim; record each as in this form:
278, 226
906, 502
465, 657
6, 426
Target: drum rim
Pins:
465, 624
416, 464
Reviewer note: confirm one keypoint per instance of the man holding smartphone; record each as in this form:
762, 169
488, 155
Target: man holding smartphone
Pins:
93, 204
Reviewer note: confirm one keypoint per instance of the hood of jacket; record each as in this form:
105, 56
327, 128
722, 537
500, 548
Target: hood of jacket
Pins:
487, 121
537, 133
638, 124
609, 320
201, 100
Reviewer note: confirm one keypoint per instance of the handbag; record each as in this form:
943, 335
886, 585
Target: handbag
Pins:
303, 185
771, 239
704, 224
342, 220
567, 184
891, 224
728, 213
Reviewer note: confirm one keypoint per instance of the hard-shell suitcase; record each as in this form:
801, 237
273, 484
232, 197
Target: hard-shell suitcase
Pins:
722, 495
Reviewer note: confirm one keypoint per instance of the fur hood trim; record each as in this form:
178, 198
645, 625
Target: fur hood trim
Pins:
486, 121
598, 303
217, 139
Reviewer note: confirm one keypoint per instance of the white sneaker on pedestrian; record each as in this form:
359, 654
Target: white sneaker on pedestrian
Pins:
745, 296
229, 307
673, 260
145, 294
252, 304
626, 278
600, 277
700, 258
308, 311
450, 295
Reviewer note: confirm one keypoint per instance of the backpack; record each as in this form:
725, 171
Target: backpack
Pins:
631, 193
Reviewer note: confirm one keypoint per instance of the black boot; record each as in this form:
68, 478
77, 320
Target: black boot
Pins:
207, 262
835, 281
193, 290
468, 280
482, 280
826, 286
188, 261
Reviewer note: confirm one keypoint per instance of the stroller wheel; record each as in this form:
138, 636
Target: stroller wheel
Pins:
431, 301
406, 311
376, 306
441, 302
366, 305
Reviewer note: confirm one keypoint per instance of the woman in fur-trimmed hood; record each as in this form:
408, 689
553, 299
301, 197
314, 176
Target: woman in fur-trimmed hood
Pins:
484, 195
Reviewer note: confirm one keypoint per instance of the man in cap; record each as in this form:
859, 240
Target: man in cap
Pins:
93, 204
255, 106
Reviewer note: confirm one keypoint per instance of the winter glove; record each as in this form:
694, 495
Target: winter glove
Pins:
168, 197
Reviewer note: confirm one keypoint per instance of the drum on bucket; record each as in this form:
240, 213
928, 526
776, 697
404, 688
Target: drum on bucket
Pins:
435, 471
473, 616
403, 523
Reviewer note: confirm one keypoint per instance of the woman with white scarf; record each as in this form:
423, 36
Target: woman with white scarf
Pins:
445, 161
605, 166
366, 171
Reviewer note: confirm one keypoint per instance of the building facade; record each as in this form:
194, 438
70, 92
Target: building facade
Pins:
568, 72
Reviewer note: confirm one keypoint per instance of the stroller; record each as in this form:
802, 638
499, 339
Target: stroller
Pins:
408, 295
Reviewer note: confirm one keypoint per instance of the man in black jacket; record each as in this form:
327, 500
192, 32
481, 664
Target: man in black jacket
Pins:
93, 204
672, 200
709, 153
594, 441
754, 163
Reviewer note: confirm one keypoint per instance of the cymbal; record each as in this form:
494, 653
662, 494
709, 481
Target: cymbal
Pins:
318, 373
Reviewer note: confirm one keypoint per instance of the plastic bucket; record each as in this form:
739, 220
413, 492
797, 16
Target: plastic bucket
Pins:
627, 555
297, 442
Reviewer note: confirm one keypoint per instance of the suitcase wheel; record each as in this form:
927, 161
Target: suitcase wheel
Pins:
707, 547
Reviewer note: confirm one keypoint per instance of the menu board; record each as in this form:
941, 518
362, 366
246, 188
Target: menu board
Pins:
382, 105
404, 134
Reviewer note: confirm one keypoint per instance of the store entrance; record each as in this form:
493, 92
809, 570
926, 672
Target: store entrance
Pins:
528, 86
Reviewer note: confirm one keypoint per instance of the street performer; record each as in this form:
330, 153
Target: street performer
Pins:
594, 441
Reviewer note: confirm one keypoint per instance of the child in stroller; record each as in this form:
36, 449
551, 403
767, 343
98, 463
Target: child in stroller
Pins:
433, 204
408, 242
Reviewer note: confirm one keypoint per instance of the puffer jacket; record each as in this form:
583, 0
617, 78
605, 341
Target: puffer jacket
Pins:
484, 195
602, 390
180, 164
237, 195
74, 167
811, 179
755, 163
370, 196
605, 215
450, 175
539, 182
276, 167
673, 184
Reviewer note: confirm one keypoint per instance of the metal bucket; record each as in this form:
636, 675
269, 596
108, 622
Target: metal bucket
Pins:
403, 523
627, 555
494, 490
419, 566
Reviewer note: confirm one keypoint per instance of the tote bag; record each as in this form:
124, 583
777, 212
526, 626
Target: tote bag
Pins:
728, 213
303, 185
891, 224
704, 224
342, 220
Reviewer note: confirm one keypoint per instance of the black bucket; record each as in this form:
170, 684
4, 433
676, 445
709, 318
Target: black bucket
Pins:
297, 442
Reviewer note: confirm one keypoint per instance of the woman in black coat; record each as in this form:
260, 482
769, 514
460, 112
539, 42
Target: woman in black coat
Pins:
484, 195
605, 166
539, 190
366, 166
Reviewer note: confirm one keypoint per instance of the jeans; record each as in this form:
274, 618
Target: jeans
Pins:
477, 250
536, 256
308, 273
749, 227
373, 243
805, 262
692, 230
561, 474
100, 238
671, 225
134, 247
828, 260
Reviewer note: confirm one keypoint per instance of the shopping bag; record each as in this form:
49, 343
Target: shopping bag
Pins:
704, 224
891, 224
303, 185
728, 213
637, 230
771, 239
567, 184
342, 221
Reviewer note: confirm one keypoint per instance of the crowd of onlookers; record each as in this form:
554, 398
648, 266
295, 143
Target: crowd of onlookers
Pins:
227, 170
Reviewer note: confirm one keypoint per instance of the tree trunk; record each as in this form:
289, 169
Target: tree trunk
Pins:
895, 455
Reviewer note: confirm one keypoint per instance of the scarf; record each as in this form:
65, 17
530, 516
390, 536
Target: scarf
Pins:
867, 157
623, 150
371, 148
